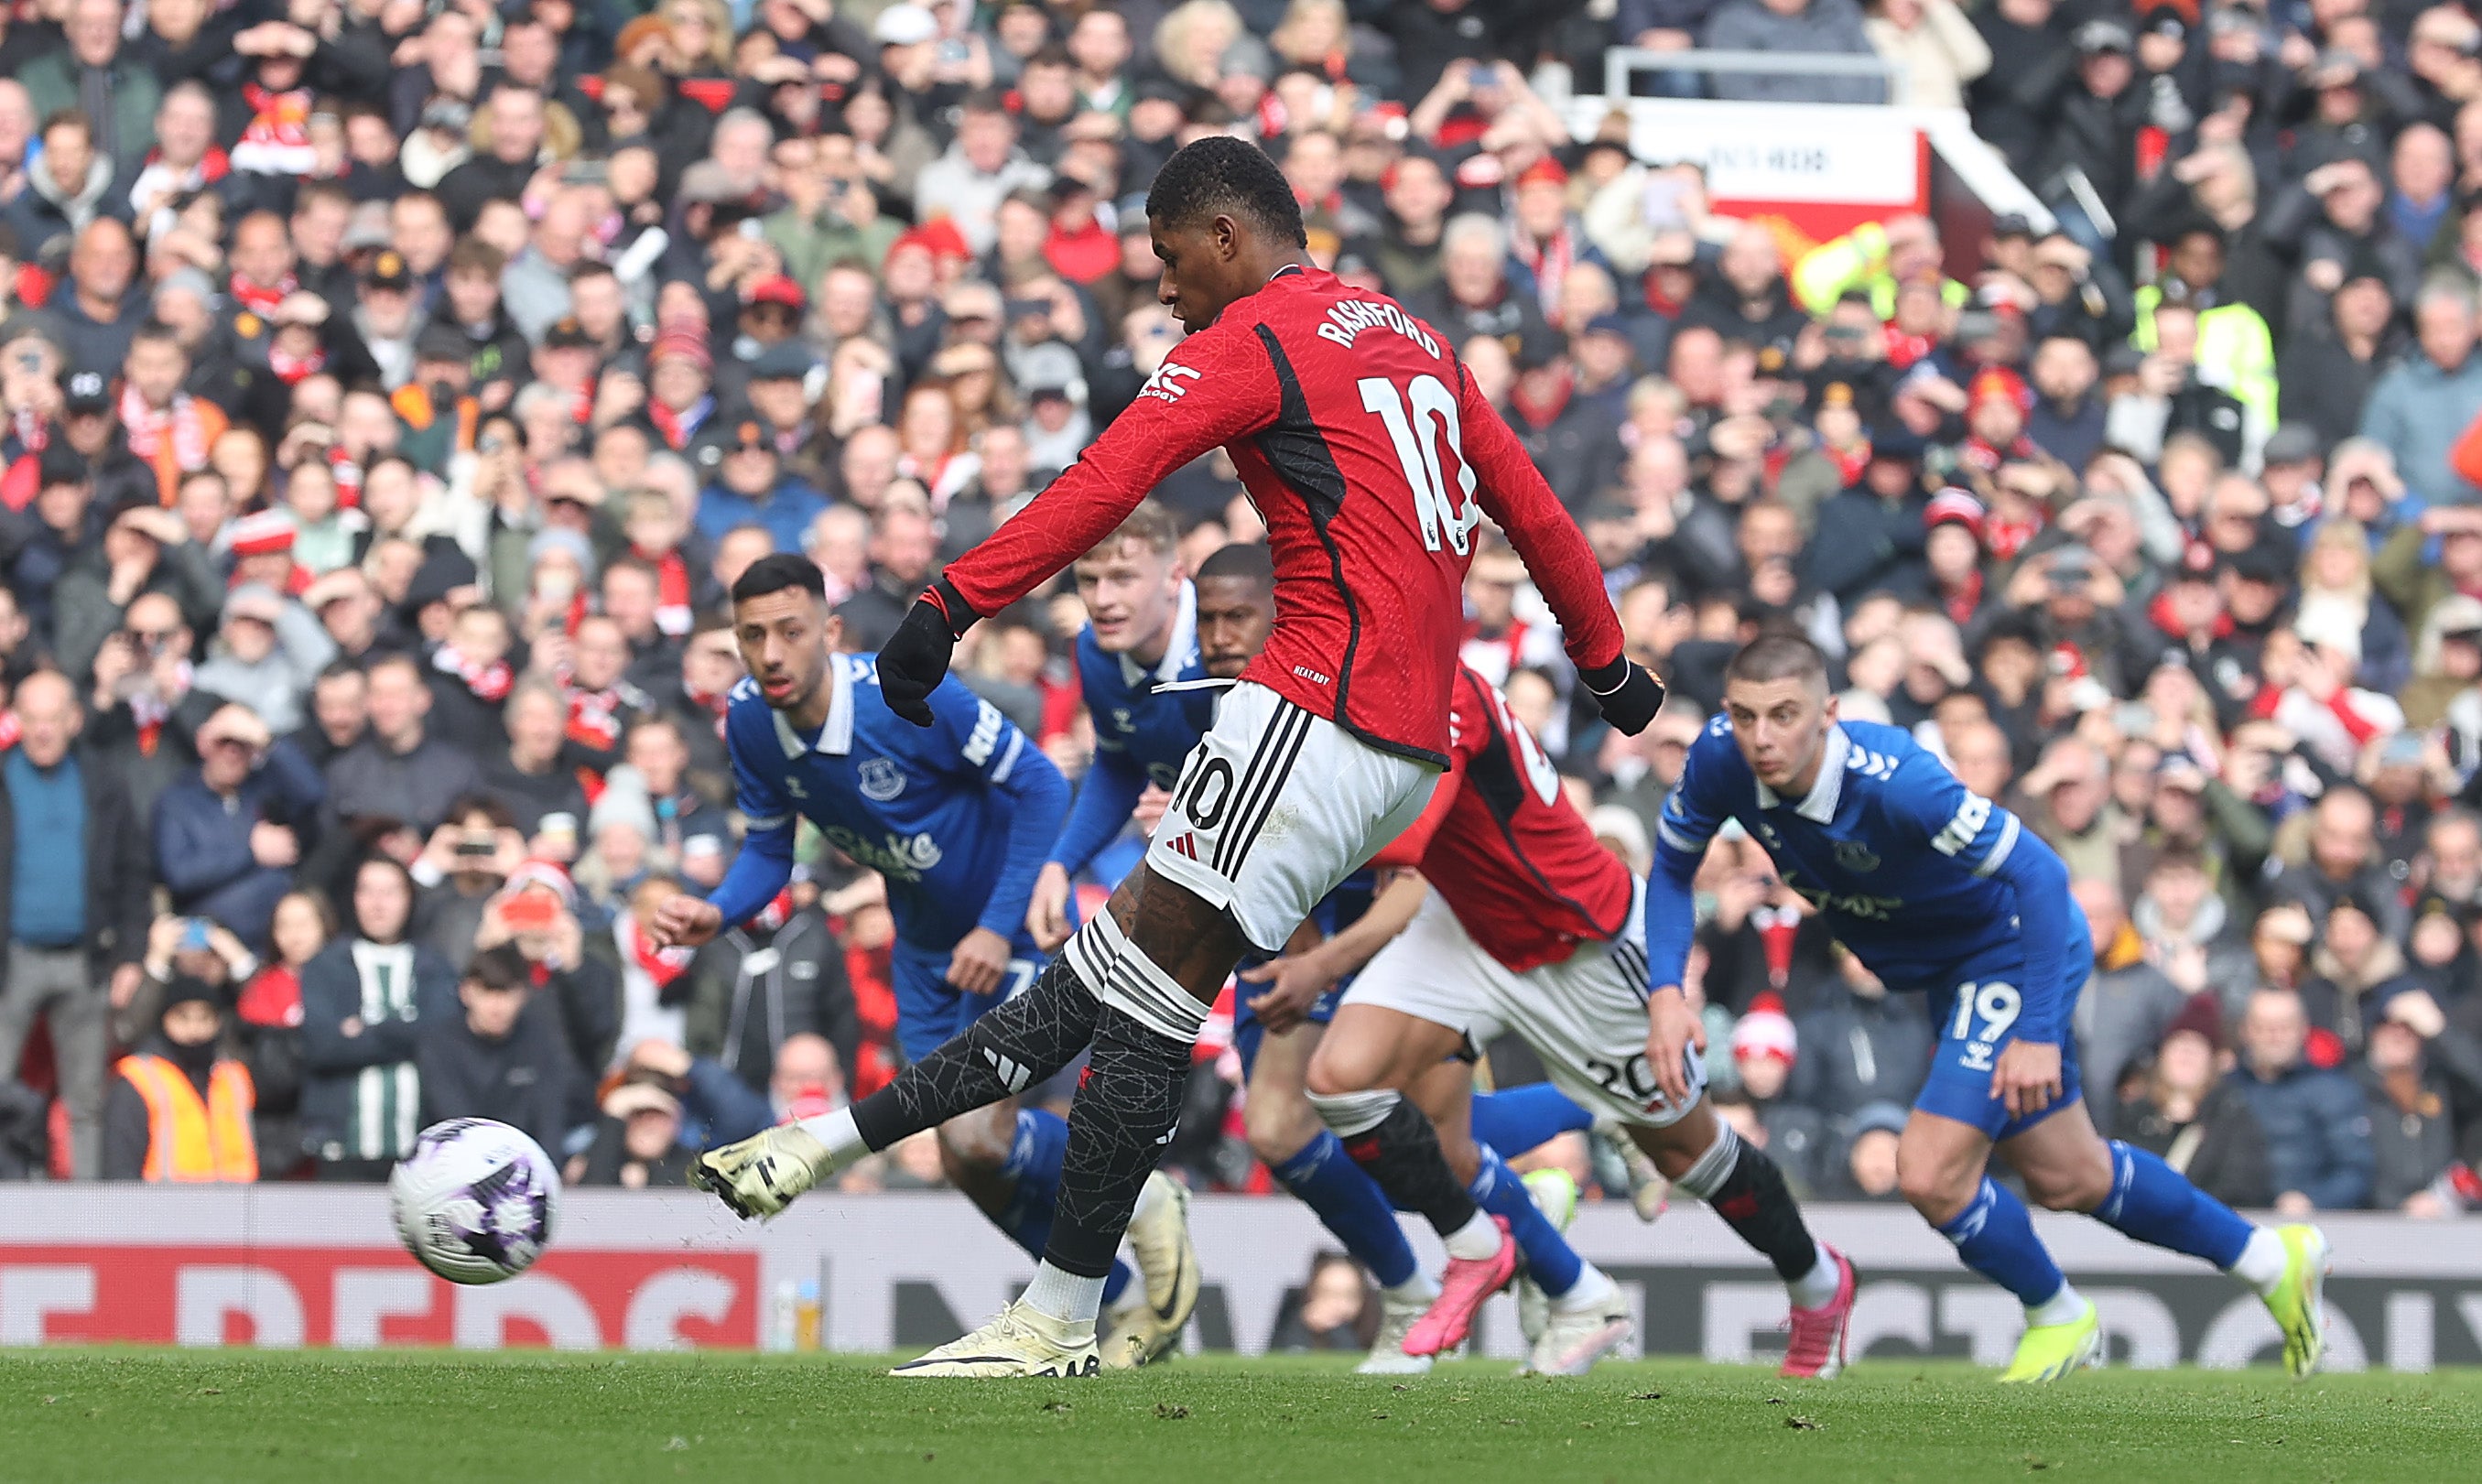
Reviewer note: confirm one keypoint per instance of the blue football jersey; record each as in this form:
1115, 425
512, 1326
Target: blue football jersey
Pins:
1143, 733
955, 816
1152, 729
1905, 862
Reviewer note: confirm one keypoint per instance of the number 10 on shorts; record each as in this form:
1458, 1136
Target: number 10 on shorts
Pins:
1994, 1006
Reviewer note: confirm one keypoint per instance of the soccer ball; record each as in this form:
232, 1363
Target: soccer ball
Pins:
474, 1201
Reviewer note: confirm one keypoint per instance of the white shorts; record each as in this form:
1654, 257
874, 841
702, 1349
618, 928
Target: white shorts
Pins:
1276, 806
1585, 1016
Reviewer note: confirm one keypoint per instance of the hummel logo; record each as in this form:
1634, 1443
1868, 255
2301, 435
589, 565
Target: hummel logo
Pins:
1012, 1074
1185, 845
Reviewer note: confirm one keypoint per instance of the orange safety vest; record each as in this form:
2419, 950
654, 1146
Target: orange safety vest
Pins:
187, 1140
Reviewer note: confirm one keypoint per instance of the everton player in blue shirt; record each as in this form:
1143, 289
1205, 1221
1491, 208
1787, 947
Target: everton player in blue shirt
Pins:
957, 818
1937, 890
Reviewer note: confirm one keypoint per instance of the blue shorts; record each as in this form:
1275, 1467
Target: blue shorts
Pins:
930, 1011
1974, 1015
1248, 1031
1335, 912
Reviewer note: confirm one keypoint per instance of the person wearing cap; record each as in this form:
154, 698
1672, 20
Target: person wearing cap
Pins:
750, 485
2447, 663
385, 316
498, 1055
680, 383
2185, 1100
637, 1141
1766, 1048
179, 1110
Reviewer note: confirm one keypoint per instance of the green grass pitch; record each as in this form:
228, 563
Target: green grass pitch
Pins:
73, 1415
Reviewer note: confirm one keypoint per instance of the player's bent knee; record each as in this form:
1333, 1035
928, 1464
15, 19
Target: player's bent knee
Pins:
1279, 1129
1934, 1187
1349, 1113
978, 1143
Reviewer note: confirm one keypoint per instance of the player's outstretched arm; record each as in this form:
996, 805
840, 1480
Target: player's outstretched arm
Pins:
1512, 491
1217, 385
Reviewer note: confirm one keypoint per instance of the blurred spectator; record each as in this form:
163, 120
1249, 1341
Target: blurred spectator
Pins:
227, 837
2417, 410
2428, 1074
760, 983
808, 1080
364, 1001
398, 778
1862, 1046
462, 866
2125, 1008
2317, 1124
77, 899
2187, 1113
498, 1056
1332, 1310
637, 1142
538, 912
1866, 1168
1766, 1048
181, 1110
267, 1018
1806, 27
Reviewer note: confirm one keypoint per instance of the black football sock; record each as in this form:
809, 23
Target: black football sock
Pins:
1128, 1104
1003, 1054
1396, 1145
1746, 1189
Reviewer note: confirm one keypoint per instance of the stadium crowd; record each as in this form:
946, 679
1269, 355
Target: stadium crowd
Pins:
392, 389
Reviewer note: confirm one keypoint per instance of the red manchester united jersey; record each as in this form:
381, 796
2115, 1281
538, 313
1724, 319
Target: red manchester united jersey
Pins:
1512, 857
1372, 459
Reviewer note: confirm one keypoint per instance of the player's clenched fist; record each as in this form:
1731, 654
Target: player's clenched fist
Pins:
1627, 693
685, 921
915, 659
1672, 1030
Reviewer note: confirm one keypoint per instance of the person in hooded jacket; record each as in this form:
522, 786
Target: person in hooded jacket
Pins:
179, 1109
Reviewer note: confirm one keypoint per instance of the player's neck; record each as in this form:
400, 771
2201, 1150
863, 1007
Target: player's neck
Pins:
1807, 778
1148, 652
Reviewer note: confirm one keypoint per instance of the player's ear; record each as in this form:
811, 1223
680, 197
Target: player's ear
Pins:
834, 629
1227, 237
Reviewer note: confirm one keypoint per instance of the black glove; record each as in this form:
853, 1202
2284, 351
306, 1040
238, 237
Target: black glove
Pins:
1627, 693
912, 663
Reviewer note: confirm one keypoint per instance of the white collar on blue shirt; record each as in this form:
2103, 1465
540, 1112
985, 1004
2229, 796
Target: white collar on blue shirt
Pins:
836, 737
1819, 806
1184, 635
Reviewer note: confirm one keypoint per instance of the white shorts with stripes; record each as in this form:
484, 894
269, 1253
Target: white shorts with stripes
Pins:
1276, 806
1585, 1016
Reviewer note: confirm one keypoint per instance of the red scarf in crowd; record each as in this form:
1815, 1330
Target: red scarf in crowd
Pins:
12, 730
346, 471
263, 299
277, 141
662, 965
291, 369
715, 705
1903, 350
594, 718
149, 426
151, 711
673, 613
678, 428
490, 684
1964, 598
1549, 260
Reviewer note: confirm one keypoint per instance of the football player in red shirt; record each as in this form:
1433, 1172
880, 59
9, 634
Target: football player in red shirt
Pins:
1372, 456
1533, 927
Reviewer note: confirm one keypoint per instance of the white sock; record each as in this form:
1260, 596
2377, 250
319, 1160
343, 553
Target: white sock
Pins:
1816, 1287
1420, 1288
2262, 1262
836, 1134
1476, 1241
2062, 1308
1072, 1300
1593, 1289
1150, 1195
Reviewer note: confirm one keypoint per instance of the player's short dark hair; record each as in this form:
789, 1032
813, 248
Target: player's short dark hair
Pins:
778, 570
1248, 560
1150, 525
1778, 656
1219, 175
501, 966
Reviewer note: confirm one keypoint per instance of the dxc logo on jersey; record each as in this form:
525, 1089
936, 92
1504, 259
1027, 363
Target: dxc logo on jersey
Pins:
1169, 382
901, 856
